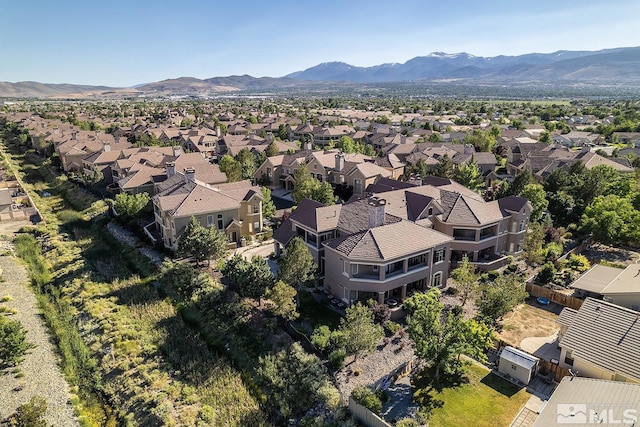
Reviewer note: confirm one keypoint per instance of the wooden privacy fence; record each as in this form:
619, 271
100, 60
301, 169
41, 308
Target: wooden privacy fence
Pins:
546, 366
554, 296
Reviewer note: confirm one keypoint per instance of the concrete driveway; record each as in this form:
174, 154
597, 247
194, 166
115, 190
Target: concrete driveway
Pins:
264, 250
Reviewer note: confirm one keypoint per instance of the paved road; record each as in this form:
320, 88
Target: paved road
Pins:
264, 250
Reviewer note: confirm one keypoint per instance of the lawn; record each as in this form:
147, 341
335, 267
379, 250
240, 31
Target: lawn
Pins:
527, 321
486, 400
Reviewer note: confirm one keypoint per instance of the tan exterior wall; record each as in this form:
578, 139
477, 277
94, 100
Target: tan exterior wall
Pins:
631, 301
586, 369
341, 283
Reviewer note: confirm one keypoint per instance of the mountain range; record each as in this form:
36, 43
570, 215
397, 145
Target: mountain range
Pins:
610, 67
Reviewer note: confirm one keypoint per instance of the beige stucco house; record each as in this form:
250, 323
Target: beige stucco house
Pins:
234, 208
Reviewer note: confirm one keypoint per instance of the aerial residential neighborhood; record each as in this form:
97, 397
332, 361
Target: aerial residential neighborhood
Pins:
319, 214
323, 227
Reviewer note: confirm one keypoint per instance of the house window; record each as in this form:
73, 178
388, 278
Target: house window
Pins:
568, 358
430, 212
522, 225
220, 223
319, 177
417, 260
437, 279
315, 167
438, 256
357, 186
209, 220
514, 367
345, 269
354, 269
342, 179
374, 268
269, 174
256, 226
256, 208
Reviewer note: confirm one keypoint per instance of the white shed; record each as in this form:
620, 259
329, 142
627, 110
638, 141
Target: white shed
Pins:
517, 364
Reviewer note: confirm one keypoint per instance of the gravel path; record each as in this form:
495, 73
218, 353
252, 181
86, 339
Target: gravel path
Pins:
42, 376
128, 238
374, 367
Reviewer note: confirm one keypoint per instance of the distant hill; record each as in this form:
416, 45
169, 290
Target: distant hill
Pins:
46, 90
610, 67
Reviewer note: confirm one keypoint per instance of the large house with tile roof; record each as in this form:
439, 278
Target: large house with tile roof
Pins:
484, 231
234, 208
363, 252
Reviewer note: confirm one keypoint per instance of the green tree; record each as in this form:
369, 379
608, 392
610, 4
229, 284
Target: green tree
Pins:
308, 187
202, 243
466, 279
13, 342
435, 137
470, 175
532, 244
297, 267
272, 149
483, 141
612, 219
130, 205
517, 185
420, 168
247, 163
500, 297
231, 167
295, 380
282, 301
268, 207
444, 168
361, 333
30, 414
440, 339
538, 197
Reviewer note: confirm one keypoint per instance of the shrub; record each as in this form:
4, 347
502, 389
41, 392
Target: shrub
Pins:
578, 263
546, 274
367, 398
30, 414
407, 422
393, 327
321, 337
336, 358
13, 342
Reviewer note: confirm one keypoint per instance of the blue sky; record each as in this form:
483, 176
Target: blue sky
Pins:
128, 42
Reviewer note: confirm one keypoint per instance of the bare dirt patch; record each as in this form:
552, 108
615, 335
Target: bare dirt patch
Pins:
526, 321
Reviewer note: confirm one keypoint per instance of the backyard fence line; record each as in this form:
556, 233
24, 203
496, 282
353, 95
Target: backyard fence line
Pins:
365, 416
560, 372
554, 296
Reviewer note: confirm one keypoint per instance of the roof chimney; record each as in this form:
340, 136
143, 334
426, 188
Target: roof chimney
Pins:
218, 132
189, 174
171, 169
107, 147
177, 150
74, 135
376, 211
339, 162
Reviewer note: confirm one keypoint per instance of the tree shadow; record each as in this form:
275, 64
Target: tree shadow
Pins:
500, 385
138, 293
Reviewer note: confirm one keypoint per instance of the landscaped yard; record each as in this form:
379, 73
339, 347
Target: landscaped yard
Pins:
486, 400
527, 321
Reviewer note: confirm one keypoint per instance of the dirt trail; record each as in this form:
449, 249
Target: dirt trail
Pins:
40, 374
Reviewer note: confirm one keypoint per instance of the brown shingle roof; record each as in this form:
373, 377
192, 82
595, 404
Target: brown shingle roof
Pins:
388, 242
